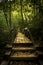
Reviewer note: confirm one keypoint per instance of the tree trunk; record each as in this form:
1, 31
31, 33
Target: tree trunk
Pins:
5, 13
10, 14
21, 10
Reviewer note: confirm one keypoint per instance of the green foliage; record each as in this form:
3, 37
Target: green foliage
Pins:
25, 13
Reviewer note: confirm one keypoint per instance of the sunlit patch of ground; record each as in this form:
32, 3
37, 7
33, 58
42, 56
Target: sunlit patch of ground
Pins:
21, 38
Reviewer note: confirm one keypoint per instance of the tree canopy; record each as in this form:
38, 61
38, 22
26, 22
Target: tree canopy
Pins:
19, 14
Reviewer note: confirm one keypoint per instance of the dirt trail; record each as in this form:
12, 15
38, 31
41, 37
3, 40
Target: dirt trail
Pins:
21, 38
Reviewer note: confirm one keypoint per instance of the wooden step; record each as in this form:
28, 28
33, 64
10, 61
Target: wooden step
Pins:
23, 56
29, 41
23, 48
24, 43
8, 46
7, 53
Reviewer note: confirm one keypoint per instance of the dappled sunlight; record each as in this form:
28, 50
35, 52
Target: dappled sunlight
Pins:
27, 12
14, 13
21, 38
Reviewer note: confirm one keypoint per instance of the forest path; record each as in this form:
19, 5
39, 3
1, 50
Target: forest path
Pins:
21, 38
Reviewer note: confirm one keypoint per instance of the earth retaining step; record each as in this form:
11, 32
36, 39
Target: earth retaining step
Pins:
23, 49
8, 46
23, 56
7, 53
29, 41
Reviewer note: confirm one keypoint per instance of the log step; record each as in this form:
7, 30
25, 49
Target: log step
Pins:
22, 48
8, 46
7, 53
23, 56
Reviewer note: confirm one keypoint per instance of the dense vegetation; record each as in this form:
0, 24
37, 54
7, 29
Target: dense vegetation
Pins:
19, 14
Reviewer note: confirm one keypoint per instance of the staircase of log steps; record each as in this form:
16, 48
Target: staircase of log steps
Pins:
21, 54
22, 51
21, 48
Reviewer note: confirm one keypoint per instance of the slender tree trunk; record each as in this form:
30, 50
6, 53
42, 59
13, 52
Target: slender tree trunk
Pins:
21, 10
10, 15
5, 13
